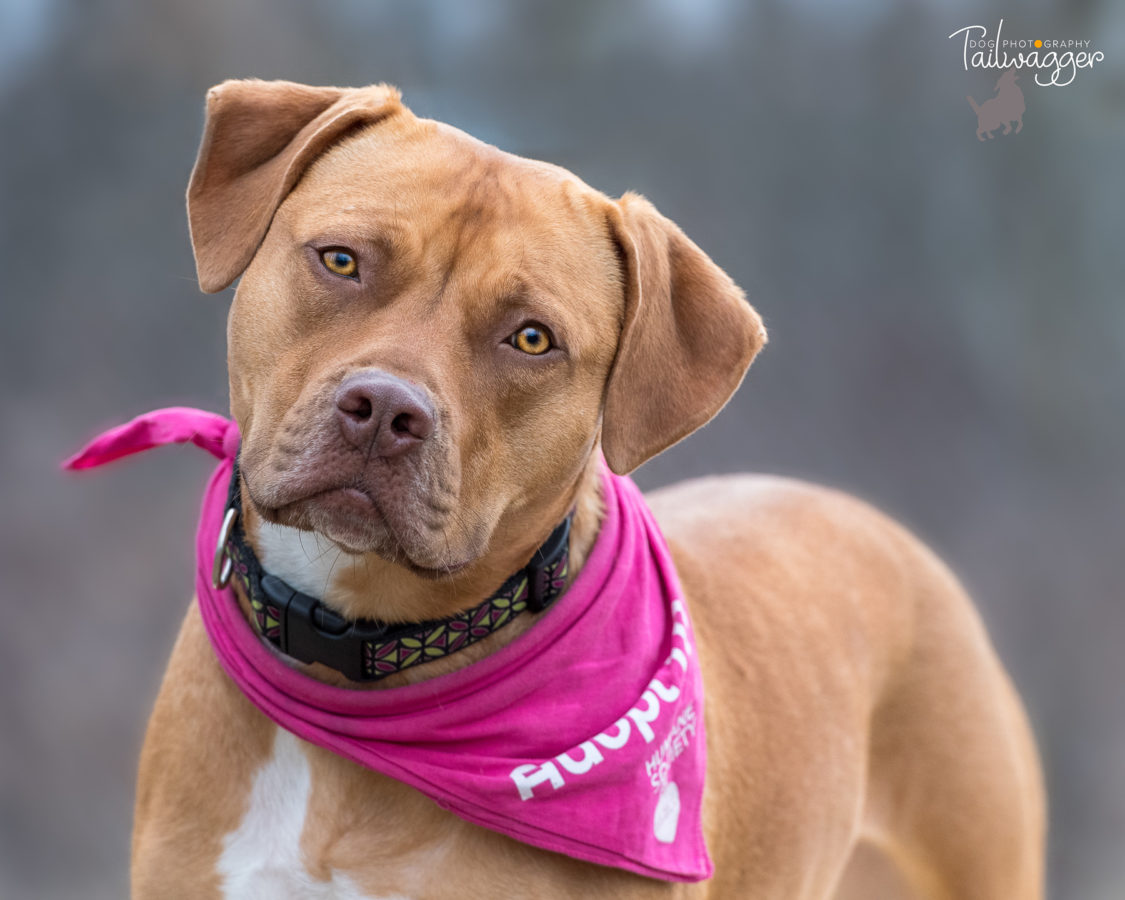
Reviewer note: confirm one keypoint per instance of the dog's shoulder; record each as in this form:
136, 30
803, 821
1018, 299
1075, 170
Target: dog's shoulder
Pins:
777, 560
767, 512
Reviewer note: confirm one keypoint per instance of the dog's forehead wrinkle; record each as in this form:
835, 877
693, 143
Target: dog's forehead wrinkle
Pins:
470, 176
365, 222
520, 302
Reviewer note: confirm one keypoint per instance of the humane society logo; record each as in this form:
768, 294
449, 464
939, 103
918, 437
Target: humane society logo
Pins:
1050, 62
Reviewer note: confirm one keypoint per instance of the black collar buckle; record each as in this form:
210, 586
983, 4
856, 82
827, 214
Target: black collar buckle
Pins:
311, 632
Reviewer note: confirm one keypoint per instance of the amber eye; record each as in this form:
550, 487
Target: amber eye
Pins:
339, 262
531, 339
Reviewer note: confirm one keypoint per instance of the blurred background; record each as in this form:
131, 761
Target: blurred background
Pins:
947, 324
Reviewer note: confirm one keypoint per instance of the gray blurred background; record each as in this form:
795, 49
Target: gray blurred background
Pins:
946, 318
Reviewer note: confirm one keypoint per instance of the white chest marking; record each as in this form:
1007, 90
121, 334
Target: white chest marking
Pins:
304, 559
261, 859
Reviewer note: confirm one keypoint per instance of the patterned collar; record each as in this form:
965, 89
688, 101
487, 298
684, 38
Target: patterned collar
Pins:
302, 627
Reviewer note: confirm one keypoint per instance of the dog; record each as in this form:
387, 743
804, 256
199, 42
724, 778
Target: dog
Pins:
433, 347
1003, 109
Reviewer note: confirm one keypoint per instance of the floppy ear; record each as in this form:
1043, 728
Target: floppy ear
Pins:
688, 337
259, 138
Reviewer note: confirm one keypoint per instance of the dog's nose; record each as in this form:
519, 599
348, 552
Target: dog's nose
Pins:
384, 414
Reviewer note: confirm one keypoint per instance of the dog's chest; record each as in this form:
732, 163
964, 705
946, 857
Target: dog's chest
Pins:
262, 859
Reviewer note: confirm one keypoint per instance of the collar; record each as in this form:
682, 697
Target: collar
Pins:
305, 629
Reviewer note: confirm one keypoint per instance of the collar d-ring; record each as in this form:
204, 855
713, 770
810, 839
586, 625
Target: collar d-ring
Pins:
223, 565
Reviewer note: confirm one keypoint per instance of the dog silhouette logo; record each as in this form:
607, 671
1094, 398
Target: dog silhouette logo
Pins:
1002, 110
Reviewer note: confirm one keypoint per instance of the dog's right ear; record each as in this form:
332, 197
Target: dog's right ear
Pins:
259, 138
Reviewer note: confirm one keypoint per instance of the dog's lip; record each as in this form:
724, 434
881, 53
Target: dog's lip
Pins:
350, 500
335, 495
347, 497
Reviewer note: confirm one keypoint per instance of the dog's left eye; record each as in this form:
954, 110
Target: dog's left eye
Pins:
339, 262
531, 339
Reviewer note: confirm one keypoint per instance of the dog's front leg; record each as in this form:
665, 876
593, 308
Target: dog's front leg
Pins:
203, 745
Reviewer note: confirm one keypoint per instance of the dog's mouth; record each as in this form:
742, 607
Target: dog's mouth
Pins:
352, 518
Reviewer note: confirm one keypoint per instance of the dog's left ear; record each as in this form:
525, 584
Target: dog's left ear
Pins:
687, 340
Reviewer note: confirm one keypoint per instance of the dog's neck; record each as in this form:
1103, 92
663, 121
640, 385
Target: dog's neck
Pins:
369, 587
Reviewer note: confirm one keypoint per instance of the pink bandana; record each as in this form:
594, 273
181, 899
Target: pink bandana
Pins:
583, 736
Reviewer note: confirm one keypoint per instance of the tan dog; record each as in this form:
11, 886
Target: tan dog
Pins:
430, 343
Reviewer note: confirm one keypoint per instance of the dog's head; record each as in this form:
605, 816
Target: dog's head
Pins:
431, 337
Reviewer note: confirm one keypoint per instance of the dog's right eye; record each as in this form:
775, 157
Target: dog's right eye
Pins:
339, 262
